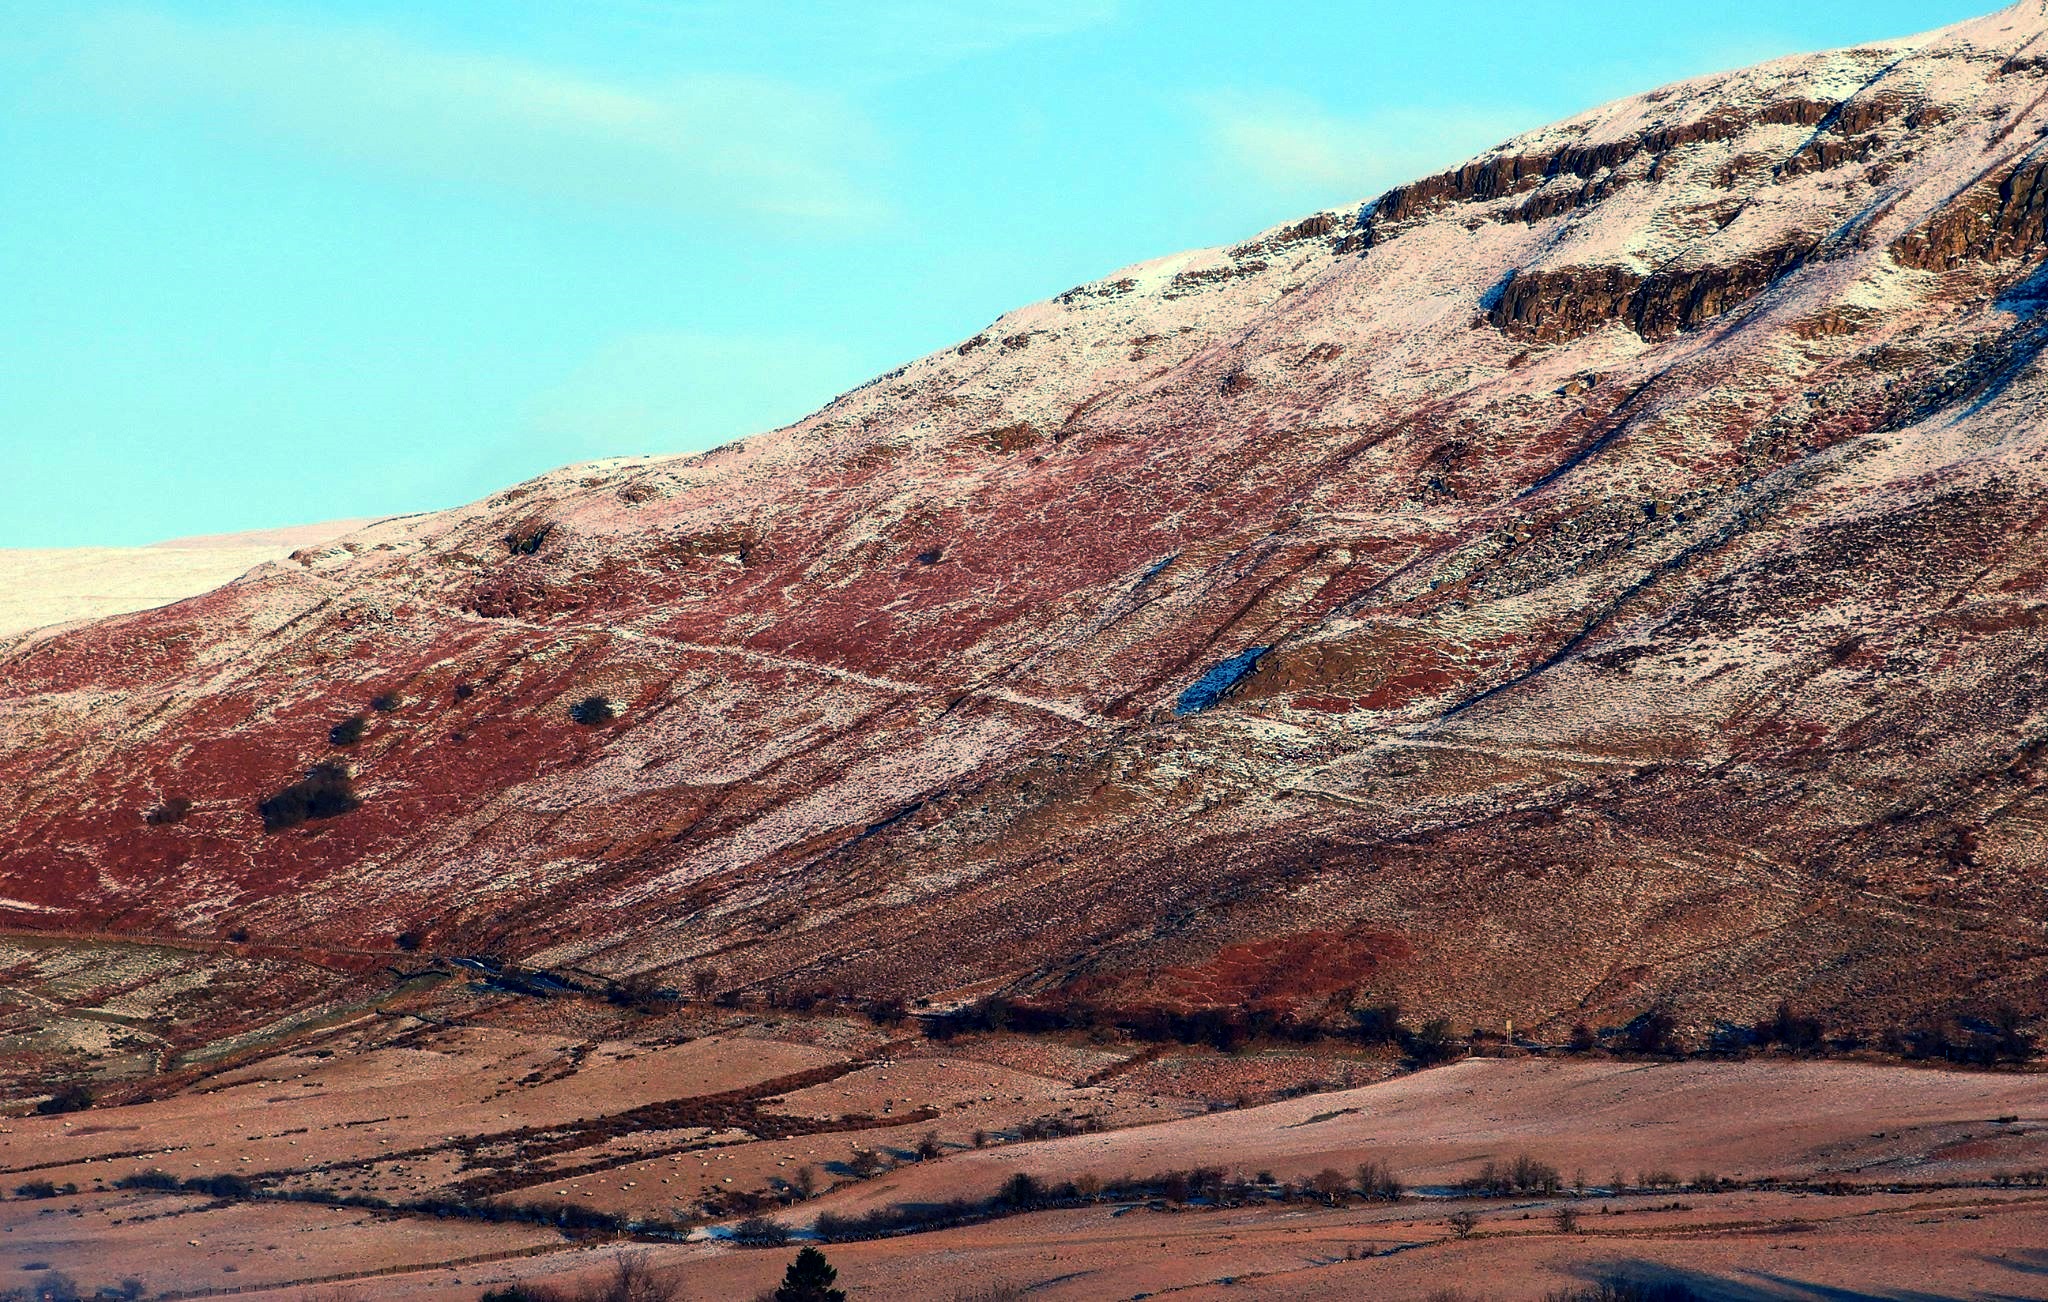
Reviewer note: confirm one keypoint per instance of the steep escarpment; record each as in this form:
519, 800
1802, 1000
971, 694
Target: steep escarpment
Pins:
1607, 574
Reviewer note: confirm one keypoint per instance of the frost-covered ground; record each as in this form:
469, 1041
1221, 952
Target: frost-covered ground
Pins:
45, 586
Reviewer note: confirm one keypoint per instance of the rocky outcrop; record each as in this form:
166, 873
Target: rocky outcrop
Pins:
1562, 304
2002, 217
1501, 176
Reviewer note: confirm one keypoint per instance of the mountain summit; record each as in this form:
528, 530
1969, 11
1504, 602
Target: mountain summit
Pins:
1606, 575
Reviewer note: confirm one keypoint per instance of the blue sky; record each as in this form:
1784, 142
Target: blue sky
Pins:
264, 264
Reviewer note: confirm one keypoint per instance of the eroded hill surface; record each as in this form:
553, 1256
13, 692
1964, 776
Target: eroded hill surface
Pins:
1608, 573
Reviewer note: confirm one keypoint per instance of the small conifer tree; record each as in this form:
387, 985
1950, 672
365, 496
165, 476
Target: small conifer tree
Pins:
810, 1278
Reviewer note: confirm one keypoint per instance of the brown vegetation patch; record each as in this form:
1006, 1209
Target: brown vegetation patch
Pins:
1286, 971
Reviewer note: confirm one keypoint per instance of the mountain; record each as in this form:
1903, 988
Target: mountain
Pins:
1608, 574
57, 585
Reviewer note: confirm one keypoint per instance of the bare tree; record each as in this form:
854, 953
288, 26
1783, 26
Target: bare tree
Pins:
631, 1279
1329, 1184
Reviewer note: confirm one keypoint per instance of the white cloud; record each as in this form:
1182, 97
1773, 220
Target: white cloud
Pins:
1296, 150
725, 146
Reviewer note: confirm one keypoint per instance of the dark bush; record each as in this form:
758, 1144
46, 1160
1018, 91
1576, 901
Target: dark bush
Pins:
238, 936
1433, 1044
36, 1189
640, 992
1654, 1033
348, 732
51, 1286
594, 711
1377, 1181
386, 702
1021, 1190
868, 1163
173, 810
887, 1012
1379, 1024
761, 1232
220, 1186
70, 1098
409, 941
325, 792
161, 1180
1583, 1040
1802, 1034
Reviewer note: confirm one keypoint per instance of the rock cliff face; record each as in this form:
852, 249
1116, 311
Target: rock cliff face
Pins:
1609, 573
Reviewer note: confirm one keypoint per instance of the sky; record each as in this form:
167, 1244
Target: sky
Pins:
276, 263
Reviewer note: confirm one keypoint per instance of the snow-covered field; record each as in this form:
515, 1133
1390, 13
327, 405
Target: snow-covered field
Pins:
40, 587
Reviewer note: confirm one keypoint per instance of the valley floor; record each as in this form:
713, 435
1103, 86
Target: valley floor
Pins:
400, 1112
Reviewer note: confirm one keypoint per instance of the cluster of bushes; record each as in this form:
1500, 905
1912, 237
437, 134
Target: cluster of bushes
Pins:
56, 1286
809, 1278
1022, 1192
43, 1189
1227, 1029
1059, 1127
1983, 1039
1524, 1175
352, 729
1975, 1041
215, 1186
640, 992
560, 1215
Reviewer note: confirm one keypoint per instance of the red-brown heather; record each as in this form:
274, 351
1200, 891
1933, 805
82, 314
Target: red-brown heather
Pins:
1607, 575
